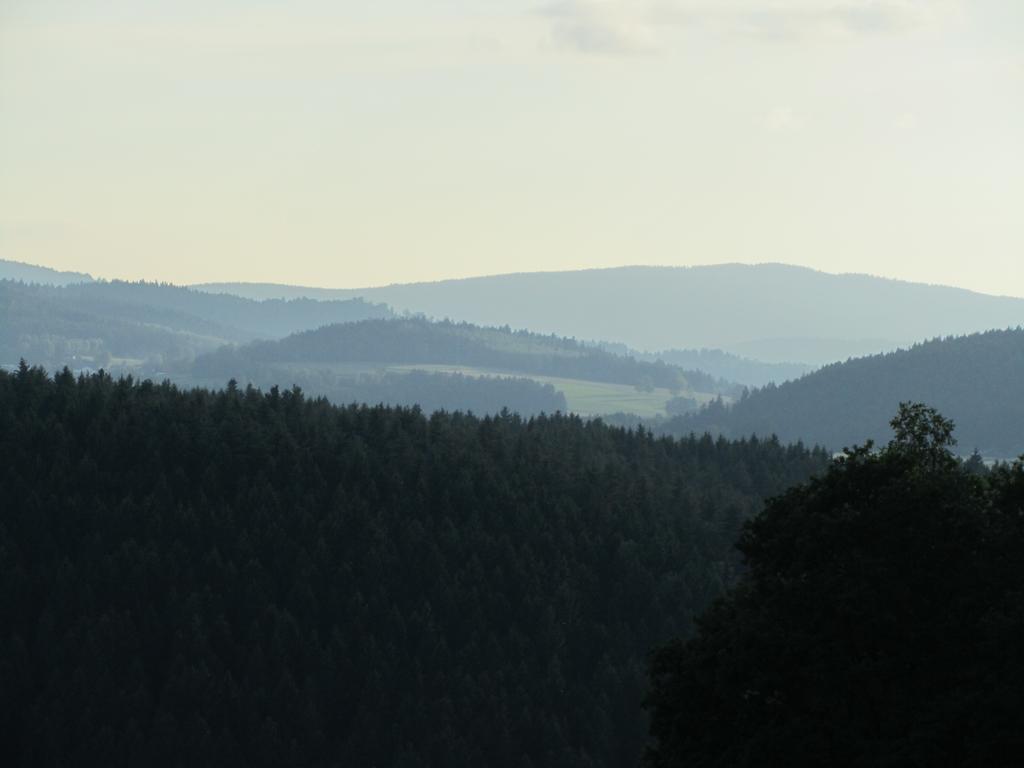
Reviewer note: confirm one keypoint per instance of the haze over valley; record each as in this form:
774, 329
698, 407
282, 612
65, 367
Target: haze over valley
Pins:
354, 346
770, 312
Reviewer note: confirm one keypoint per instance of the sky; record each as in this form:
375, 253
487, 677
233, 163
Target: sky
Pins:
347, 144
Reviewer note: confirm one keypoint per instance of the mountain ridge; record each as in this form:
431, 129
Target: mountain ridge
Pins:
224, 286
40, 275
974, 379
769, 312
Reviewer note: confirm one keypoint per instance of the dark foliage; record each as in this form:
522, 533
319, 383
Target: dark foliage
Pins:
880, 622
237, 578
430, 391
975, 379
680, 405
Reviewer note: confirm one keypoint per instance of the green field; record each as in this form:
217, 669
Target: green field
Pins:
587, 398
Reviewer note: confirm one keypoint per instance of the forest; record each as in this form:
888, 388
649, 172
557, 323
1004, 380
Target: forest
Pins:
32, 273
878, 621
744, 371
428, 390
348, 350
443, 364
147, 326
521, 384
417, 340
238, 577
974, 380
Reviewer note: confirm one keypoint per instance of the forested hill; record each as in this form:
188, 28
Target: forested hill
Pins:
237, 578
723, 365
99, 324
976, 380
30, 273
412, 341
268, 319
769, 312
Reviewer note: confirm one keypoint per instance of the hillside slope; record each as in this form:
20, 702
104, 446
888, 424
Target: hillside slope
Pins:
249, 319
336, 361
976, 380
720, 364
30, 273
131, 324
770, 312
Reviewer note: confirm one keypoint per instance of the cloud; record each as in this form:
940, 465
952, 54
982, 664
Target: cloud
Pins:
644, 26
598, 27
838, 17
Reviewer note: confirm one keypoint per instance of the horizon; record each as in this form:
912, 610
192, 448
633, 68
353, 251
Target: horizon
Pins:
706, 265
318, 144
114, 278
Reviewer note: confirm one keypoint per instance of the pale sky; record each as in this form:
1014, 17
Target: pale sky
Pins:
345, 144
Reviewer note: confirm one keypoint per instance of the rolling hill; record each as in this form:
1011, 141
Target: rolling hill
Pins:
344, 361
977, 380
30, 273
721, 364
769, 312
133, 325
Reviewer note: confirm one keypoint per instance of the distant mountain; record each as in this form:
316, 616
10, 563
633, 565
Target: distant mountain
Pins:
769, 312
30, 273
721, 364
407, 341
264, 291
249, 319
726, 365
370, 360
976, 380
140, 325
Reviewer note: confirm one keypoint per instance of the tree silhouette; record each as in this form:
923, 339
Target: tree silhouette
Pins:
878, 622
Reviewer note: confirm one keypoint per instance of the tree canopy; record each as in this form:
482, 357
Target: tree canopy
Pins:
256, 578
878, 623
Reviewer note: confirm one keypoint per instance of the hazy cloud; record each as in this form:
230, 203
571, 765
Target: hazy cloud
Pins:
637, 26
608, 27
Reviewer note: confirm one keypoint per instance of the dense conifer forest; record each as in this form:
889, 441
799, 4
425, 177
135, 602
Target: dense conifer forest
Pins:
191, 577
430, 391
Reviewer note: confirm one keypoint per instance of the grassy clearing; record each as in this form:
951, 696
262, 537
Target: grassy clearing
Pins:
587, 398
